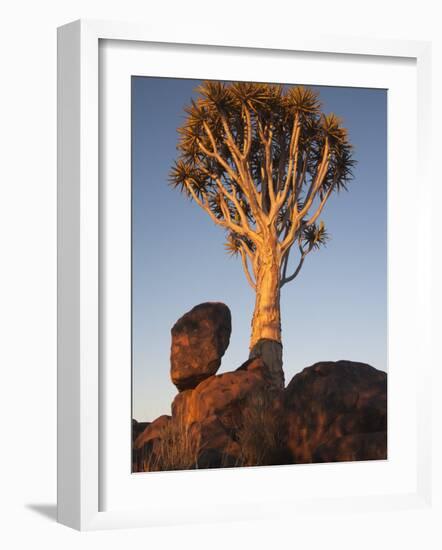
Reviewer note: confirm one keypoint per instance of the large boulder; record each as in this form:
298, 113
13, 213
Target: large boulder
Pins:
222, 395
337, 411
199, 340
224, 415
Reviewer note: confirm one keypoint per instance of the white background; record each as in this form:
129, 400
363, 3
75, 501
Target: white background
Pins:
28, 260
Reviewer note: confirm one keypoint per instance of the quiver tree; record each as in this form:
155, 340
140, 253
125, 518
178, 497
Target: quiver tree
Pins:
262, 161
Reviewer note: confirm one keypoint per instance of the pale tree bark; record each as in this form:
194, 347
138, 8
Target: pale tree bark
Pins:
265, 339
266, 320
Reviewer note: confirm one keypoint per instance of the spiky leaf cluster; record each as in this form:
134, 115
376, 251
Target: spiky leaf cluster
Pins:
235, 243
221, 107
314, 236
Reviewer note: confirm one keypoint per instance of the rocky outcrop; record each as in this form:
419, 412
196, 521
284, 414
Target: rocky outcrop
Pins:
215, 409
337, 411
199, 340
329, 412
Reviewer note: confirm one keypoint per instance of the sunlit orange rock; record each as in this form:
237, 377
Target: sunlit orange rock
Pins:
214, 411
223, 395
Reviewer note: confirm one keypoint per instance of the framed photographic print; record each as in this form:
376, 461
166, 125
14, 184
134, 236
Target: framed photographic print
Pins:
235, 284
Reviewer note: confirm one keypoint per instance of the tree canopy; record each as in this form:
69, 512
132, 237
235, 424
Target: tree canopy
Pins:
262, 161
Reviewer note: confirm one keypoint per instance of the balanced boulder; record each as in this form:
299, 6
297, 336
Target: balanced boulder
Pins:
199, 340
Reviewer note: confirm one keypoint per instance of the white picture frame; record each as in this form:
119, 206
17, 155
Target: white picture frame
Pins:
81, 442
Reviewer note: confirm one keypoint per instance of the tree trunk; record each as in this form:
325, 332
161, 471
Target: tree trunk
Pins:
266, 322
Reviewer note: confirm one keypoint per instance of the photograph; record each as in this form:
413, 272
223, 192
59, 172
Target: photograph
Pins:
221, 269
259, 274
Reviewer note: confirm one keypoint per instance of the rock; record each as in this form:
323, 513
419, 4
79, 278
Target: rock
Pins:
152, 431
144, 446
216, 448
137, 428
337, 411
330, 412
222, 395
215, 458
214, 411
180, 405
363, 446
199, 340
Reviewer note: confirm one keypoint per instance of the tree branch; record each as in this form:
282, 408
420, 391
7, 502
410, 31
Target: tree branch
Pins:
241, 178
231, 196
269, 167
247, 132
230, 141
226, 223
284, 278
316, 215
317, 182
215, 154
246, 268
293, 161
314, 187
267, 189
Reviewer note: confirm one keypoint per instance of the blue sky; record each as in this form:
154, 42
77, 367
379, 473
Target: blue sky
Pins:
335, 309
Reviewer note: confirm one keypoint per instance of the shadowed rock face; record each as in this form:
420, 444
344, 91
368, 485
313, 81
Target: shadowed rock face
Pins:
363, 446
146, 442
337, 411
137, 428
199, 340
153, 431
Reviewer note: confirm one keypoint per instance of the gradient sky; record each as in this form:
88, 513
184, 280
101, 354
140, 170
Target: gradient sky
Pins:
335, 309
